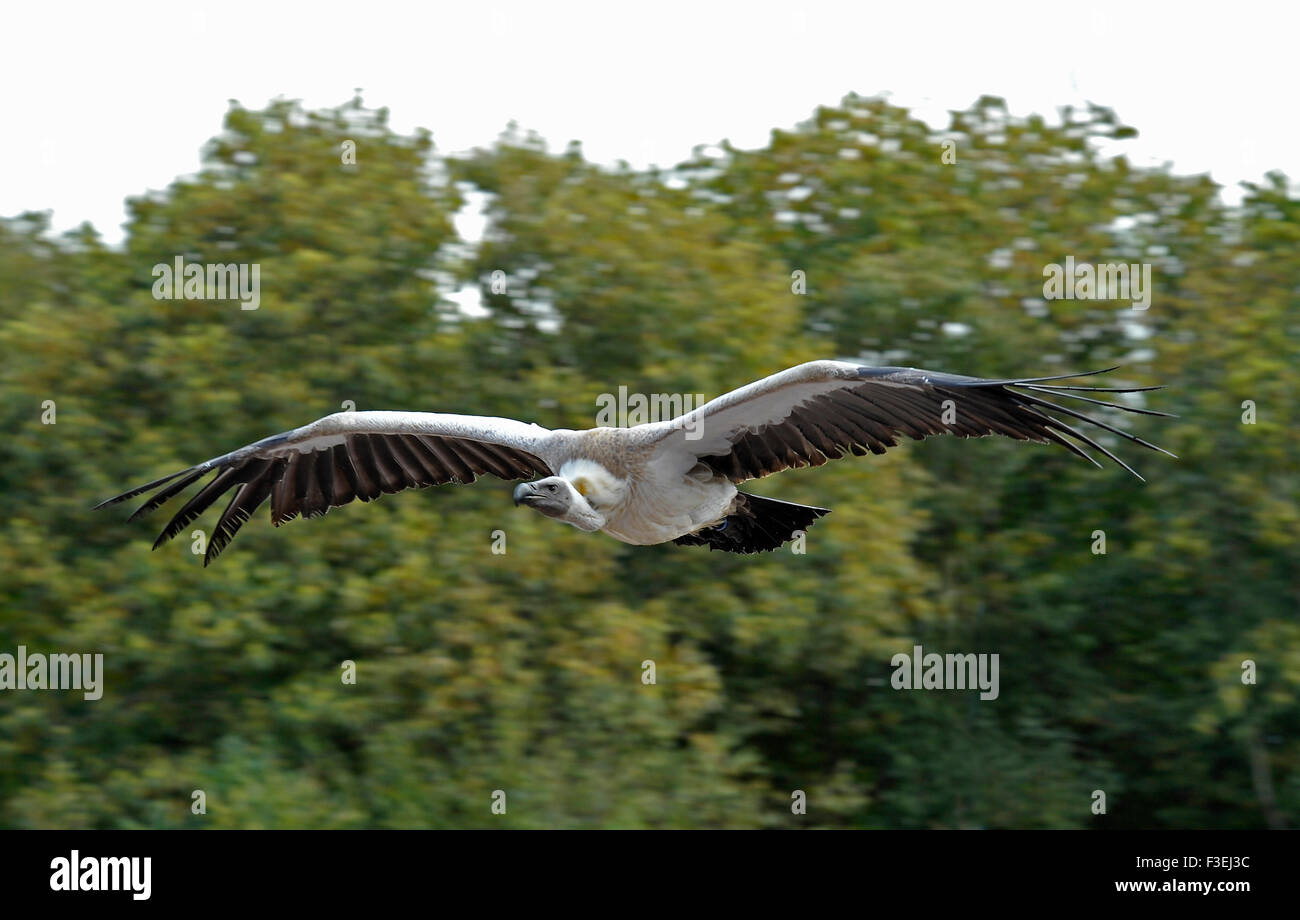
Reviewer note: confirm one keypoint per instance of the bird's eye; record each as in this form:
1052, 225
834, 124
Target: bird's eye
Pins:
551, 487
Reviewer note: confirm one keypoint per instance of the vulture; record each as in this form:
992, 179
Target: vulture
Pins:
668, 480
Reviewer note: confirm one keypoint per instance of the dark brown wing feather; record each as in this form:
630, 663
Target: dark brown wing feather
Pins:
365, 466
871, 413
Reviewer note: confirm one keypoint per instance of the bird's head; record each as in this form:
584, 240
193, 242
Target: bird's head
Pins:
583, 495
557, 498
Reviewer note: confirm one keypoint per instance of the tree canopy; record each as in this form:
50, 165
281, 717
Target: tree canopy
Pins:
862, 233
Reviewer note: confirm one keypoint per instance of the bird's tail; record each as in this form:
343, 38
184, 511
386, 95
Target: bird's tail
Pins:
757, 525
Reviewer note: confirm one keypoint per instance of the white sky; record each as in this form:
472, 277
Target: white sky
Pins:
110, 99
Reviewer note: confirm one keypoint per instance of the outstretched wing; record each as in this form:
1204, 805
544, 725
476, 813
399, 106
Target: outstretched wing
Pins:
821, 410
344, 456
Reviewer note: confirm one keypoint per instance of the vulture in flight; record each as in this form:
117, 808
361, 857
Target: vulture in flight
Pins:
670, 480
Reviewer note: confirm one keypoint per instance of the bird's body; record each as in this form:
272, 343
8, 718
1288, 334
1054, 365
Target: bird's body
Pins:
654, 504
674, 480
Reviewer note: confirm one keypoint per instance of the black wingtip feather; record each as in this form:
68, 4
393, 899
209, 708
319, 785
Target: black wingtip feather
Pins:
1023, 390
140, 490
1025, 380
1098, 422
1056, 391
163, 495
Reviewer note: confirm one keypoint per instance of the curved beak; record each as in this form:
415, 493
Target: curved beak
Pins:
523, 492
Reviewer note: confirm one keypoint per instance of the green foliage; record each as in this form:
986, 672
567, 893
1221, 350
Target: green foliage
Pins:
523, 672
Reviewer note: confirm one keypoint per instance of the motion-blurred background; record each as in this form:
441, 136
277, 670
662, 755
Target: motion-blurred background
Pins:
522, 671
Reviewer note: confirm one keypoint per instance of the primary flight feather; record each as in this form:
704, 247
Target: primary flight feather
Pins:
674, 480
